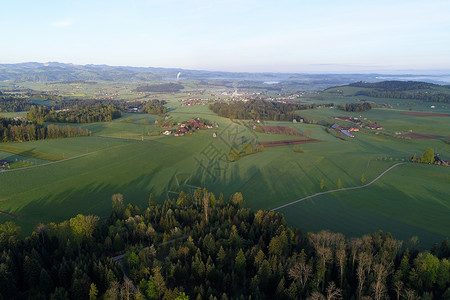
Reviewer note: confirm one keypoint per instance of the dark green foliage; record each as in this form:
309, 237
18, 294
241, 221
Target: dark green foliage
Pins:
261, 110
78, 114
171, 253
17, 130
154, 107
395, 85
402, 90
357, 107
12, 104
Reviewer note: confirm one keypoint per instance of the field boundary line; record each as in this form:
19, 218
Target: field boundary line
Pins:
338, 190
49, 163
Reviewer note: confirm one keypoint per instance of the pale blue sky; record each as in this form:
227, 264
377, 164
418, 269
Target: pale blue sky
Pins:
235, 35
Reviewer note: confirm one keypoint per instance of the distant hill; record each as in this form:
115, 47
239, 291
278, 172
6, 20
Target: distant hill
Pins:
69, 72
395, 85
413, 90
276, 82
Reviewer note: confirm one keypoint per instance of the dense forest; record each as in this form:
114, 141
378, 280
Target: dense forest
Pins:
259, 109
154, 107
80, 114
20, 131
395, 85
160, 88
421, 96
12, 104
200, 247
398, 90
356, 107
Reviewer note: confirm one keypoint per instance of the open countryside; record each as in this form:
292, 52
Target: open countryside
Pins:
132, 156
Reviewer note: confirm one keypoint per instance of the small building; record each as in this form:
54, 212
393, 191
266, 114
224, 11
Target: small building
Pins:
354, 129
335, 126
346, 133
376, 126
4, 164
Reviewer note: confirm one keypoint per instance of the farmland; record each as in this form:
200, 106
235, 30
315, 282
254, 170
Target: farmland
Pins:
129, 156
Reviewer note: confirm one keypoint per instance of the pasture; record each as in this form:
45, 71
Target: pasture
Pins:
128, 156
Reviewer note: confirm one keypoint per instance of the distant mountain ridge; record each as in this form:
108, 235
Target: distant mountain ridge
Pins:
61, 72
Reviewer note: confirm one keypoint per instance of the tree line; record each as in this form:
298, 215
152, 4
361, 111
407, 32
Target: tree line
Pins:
421, 96
356, 107
260, 109
21, 131
200, 246
395, 85
79, 114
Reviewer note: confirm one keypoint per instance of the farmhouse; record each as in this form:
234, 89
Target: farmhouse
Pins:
4, 164
376, 126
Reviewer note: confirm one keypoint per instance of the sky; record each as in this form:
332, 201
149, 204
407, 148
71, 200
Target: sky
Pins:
302, 36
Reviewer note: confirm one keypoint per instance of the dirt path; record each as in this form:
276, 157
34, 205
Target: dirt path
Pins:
338, 190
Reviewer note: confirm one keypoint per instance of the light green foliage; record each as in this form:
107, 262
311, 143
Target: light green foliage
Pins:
184, 200
93, 292
83, 226
428, 156
182, 296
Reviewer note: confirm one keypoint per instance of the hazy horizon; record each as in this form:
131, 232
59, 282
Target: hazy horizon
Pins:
320, 69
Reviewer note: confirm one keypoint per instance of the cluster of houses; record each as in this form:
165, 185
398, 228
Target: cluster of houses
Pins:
4, 164
357, 121
188, 127
194, 101
345, 130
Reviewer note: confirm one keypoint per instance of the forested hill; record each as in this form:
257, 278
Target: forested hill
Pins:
413, 90
395, 85
201, 247
72, 73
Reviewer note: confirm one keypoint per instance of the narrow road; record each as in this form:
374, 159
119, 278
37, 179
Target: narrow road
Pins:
338, 190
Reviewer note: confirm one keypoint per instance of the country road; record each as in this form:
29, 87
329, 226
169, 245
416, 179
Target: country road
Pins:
338, 190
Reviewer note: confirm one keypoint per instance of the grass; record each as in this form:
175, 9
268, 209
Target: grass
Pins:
401, 202
29, 153
411, 200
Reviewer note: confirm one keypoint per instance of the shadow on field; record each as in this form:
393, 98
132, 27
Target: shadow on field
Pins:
94, 198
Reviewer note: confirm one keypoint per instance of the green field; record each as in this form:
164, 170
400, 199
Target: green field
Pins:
128, 156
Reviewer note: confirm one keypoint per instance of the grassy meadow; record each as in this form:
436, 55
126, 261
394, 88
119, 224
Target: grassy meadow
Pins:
129, 156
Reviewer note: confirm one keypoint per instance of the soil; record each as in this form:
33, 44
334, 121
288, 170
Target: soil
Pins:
280, 130
288, 142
